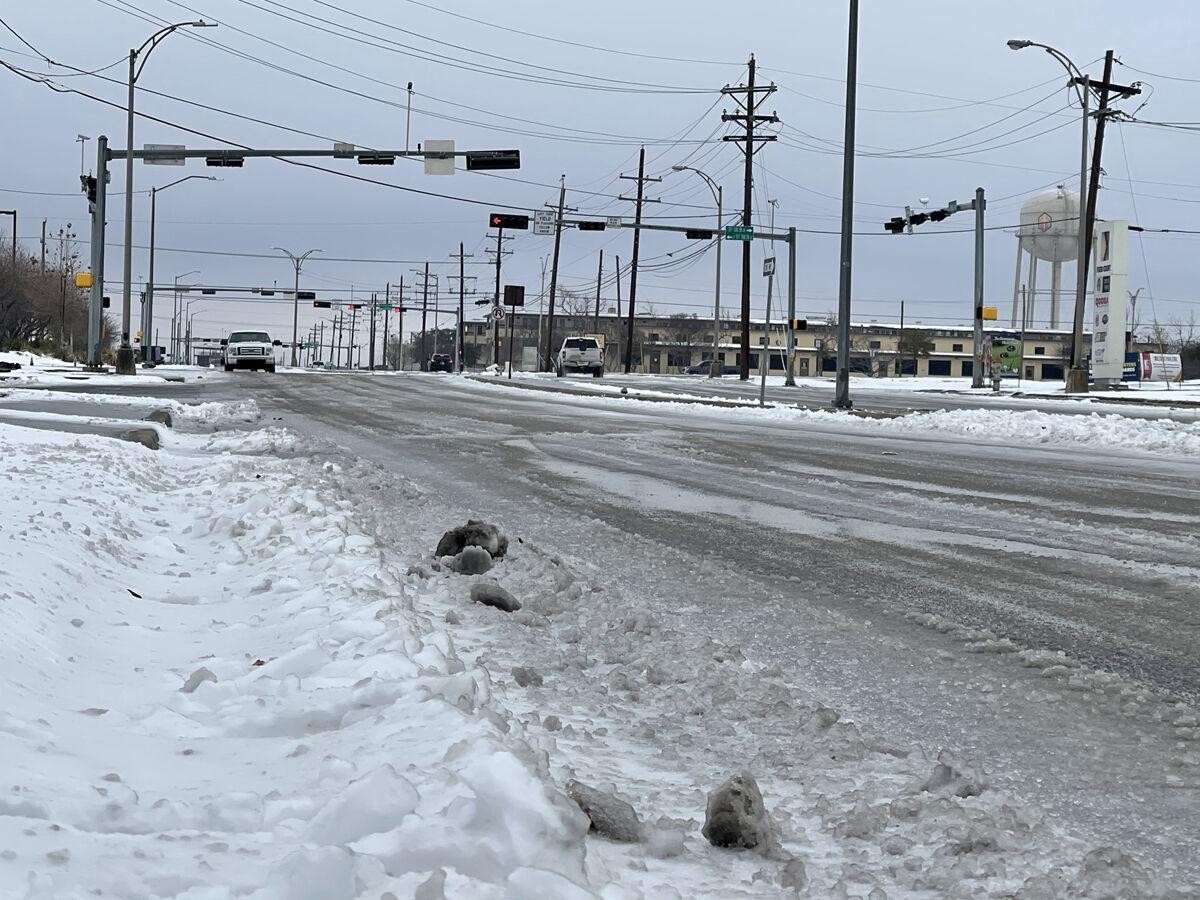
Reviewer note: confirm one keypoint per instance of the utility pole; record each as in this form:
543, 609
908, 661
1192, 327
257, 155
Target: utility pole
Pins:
749, 117
599, 278
558, 224
842, 396
977, 350
371, 350
387, 310
43, 247
637, 234
789, 378
459, 352
424, 361
1077, 377
500, 254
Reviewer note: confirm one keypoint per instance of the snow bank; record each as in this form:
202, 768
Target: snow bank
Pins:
993, 426
345, 749
208, 415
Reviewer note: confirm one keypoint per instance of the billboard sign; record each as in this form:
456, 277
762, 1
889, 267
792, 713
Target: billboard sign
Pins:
1162, 367
1110, 296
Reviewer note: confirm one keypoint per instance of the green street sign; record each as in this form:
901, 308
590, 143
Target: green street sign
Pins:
739, 233
952, 207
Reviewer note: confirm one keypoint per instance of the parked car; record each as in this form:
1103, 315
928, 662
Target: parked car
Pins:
441, 362
580, 354
249, 350
702, 368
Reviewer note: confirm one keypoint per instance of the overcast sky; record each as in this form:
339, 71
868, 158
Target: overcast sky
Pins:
934, 74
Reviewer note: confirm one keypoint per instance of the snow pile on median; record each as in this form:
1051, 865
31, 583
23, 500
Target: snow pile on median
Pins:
216, 686
992, 426
1164, 436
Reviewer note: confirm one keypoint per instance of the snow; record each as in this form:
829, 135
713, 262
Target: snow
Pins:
37, 369
994, 426
360, 746
224, 678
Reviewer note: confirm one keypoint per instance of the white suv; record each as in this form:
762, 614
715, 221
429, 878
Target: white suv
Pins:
580, 354
249, 350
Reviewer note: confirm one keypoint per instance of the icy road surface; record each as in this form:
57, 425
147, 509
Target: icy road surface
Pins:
922, 581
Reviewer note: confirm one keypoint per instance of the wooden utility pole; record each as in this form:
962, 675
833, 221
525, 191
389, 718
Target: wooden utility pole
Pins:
558, 224
599, 278
749, 116
637, 235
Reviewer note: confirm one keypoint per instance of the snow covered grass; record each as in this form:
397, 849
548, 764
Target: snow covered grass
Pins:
992, 426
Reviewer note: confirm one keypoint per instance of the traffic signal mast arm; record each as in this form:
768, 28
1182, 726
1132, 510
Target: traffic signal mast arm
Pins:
906, 222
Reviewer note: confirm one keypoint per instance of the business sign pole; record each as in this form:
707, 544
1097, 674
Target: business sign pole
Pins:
1109, 301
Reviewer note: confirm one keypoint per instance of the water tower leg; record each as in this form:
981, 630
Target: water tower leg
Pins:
1031, 302
1055, 292
1017, 283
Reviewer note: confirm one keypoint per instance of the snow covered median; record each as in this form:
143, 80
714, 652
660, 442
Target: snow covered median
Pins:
216, 686
995, 426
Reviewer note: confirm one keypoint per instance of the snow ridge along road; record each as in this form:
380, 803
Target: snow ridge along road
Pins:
438, 735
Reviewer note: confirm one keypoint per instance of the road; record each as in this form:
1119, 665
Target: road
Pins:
815, 547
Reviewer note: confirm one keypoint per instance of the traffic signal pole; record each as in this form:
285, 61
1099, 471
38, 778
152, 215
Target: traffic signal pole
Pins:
496, 297
96, 306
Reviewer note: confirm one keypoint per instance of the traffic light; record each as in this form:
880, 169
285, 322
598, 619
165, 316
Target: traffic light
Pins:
799, 324
322, 304
225, 161
106, 302
895, 226
376, 159
88, 183
353, 306
590, 226
918, 218
483, 160
698, 234
507, 220
306, 295
939, 215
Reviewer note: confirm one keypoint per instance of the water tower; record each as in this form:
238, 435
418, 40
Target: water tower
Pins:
1049, 232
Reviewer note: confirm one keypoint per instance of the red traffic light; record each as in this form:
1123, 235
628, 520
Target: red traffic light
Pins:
506, 220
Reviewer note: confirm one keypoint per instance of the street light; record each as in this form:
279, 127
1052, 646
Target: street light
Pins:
297, 261
187, 328
175, 317
148, 306
714, 366
1076, 377
125, 364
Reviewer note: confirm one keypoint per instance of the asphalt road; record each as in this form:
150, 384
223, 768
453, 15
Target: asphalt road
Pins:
813, 546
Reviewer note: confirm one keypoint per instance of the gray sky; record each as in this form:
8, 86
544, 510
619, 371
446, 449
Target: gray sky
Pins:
933, 73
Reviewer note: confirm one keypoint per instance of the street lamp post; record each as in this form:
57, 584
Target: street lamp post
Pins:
186, 329
714, 366
1076, 377
298, 262
175, 317
148, 307
125, 362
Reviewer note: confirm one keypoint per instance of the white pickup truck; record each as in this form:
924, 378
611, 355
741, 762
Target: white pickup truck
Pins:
580, 354
249, 350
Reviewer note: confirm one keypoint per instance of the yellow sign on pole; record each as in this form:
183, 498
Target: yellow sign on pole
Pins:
990, 313
83, 279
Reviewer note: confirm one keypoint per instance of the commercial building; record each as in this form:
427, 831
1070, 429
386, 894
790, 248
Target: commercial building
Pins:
669, 344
